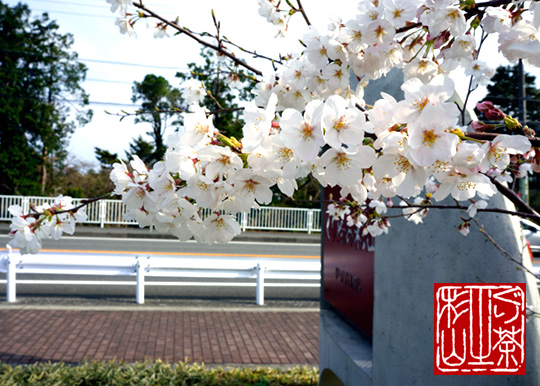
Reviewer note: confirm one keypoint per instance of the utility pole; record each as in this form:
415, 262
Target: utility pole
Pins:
523, 182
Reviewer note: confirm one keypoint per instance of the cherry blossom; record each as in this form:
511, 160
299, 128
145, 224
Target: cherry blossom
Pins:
308, 117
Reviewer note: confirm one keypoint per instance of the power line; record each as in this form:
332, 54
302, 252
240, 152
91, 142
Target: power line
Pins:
106, 61
72, 13
132, 64
107, 81
72, 3
102, 6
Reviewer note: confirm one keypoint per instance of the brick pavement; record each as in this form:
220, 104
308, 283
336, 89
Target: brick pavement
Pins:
211, 337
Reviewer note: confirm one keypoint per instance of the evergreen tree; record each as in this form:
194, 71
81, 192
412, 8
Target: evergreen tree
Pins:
158, 101
214, 74
504, 92
40, 81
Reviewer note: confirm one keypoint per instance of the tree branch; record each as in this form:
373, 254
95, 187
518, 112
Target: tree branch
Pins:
535, 141
303, 12
124, 114
70, 210
516, 200
534, 216
182, 30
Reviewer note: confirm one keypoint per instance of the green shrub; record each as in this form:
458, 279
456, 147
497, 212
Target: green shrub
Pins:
150, 374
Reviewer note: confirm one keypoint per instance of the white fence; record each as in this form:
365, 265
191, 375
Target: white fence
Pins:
112, 212
257, 271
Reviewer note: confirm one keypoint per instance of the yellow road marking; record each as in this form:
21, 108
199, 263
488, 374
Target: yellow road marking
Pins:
177, 253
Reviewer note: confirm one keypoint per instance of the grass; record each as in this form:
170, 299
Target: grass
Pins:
150, 373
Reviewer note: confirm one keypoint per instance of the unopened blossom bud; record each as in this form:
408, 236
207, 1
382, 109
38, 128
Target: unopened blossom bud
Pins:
495, 114
536, 162
512, 123
481, 127
529, 132
464, 228
484, 106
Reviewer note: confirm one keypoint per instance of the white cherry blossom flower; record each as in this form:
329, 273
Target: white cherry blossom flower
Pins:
251, 186
303, 134
419, 95
496, 19
468, 155
203, 190
220, 228
342, 125
221, 160
381, 115
406, 175
125, 26
463, 184
498, 151
193, 91
258, 123
121, 177
344, 166
422, 68
120, 5
521, 41
197, 129
429, 140
399, 12
380, 32
473, 208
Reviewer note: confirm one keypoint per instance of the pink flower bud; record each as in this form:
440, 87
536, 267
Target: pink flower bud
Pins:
495, 114
480, 127
484, 106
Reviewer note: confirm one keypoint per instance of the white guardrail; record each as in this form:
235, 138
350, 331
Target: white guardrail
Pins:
257, 271
106, 212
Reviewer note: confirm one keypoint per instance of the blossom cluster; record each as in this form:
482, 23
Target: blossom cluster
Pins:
27, 230
417, 149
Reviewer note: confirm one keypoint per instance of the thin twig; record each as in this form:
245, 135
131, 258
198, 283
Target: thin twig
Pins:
219, 49
178, 111
253, 53
501, 250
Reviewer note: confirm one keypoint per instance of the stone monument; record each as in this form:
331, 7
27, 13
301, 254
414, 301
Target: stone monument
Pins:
399, 350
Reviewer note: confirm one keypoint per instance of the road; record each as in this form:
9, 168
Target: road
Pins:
248, 249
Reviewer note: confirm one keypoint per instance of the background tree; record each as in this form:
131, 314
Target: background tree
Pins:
40, 81
158, 102
80, 180
504, 92
217, 77
106, 158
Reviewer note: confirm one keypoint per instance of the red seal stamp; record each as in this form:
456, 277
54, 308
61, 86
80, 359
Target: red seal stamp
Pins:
480, 328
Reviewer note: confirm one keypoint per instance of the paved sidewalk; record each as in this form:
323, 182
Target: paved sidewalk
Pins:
212, 336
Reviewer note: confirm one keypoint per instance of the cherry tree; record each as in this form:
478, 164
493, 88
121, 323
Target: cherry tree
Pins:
408, 154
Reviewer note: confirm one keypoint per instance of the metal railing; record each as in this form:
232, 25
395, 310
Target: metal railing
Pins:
109, 212
254, 272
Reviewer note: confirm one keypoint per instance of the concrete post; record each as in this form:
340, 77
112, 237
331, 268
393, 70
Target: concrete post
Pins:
11, 290
139, 296
259, 297
408, 261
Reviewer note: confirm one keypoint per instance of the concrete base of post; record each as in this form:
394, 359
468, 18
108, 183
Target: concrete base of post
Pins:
345, 356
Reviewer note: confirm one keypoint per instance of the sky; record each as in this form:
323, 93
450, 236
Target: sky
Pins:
115, 61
